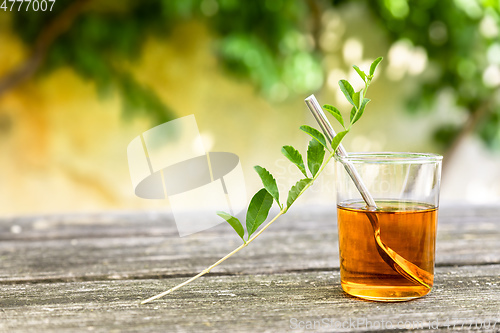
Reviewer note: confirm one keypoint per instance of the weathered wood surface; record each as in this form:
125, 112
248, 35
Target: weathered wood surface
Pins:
79, 272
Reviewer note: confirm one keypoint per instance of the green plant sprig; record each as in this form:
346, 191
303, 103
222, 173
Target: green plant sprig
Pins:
262, 201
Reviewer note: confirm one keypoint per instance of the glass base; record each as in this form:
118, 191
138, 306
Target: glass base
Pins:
385, 293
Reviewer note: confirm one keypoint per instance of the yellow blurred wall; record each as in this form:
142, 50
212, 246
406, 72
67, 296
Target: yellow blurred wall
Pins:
64, 149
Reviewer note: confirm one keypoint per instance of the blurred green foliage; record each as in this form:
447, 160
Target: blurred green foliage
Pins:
258, 41
274, 43
462, 42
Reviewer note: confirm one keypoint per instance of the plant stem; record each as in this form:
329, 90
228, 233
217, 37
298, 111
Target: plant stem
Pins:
208, 269
315, 177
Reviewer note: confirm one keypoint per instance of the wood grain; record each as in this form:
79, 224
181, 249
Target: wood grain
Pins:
250, 303
89, 271
118, 246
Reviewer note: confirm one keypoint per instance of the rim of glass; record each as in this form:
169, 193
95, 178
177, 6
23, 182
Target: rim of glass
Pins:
390, 157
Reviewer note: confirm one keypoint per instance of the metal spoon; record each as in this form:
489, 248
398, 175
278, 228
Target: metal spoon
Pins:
399, 264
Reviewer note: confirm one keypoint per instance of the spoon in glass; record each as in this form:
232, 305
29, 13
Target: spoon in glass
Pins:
399, 264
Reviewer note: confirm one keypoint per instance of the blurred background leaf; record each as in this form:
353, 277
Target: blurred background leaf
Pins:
275, 44
440, 54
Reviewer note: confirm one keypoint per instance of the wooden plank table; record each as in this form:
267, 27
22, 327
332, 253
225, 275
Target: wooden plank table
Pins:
89, 272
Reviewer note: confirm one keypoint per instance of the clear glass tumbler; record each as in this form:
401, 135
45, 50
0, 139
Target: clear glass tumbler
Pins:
387, 252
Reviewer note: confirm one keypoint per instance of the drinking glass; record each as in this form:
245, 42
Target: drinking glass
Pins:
405, 187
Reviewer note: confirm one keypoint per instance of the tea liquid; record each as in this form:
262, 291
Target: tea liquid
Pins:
409, 228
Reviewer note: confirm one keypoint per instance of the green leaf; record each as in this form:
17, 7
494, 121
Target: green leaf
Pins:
315, 156
361, 110
356, 98
360, 72
269, 183
294, 156
233, 222
374, 65
347, 90
338, 138
353, 113
294, 192
258, 210
334, 112
315, 134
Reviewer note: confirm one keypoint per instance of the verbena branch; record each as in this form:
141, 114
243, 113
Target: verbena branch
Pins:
262, 201
217, 263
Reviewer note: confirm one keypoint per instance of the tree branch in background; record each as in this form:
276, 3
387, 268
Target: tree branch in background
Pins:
316, 22
44, 40
467, 129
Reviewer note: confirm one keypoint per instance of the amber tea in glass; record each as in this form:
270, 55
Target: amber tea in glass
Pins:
405, 187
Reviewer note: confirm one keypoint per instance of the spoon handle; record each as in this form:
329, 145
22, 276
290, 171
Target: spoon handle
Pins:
399, 264
326, 127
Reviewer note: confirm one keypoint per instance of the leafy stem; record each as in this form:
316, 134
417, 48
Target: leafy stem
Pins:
217, 263
312, 180
245, 243
261, 202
